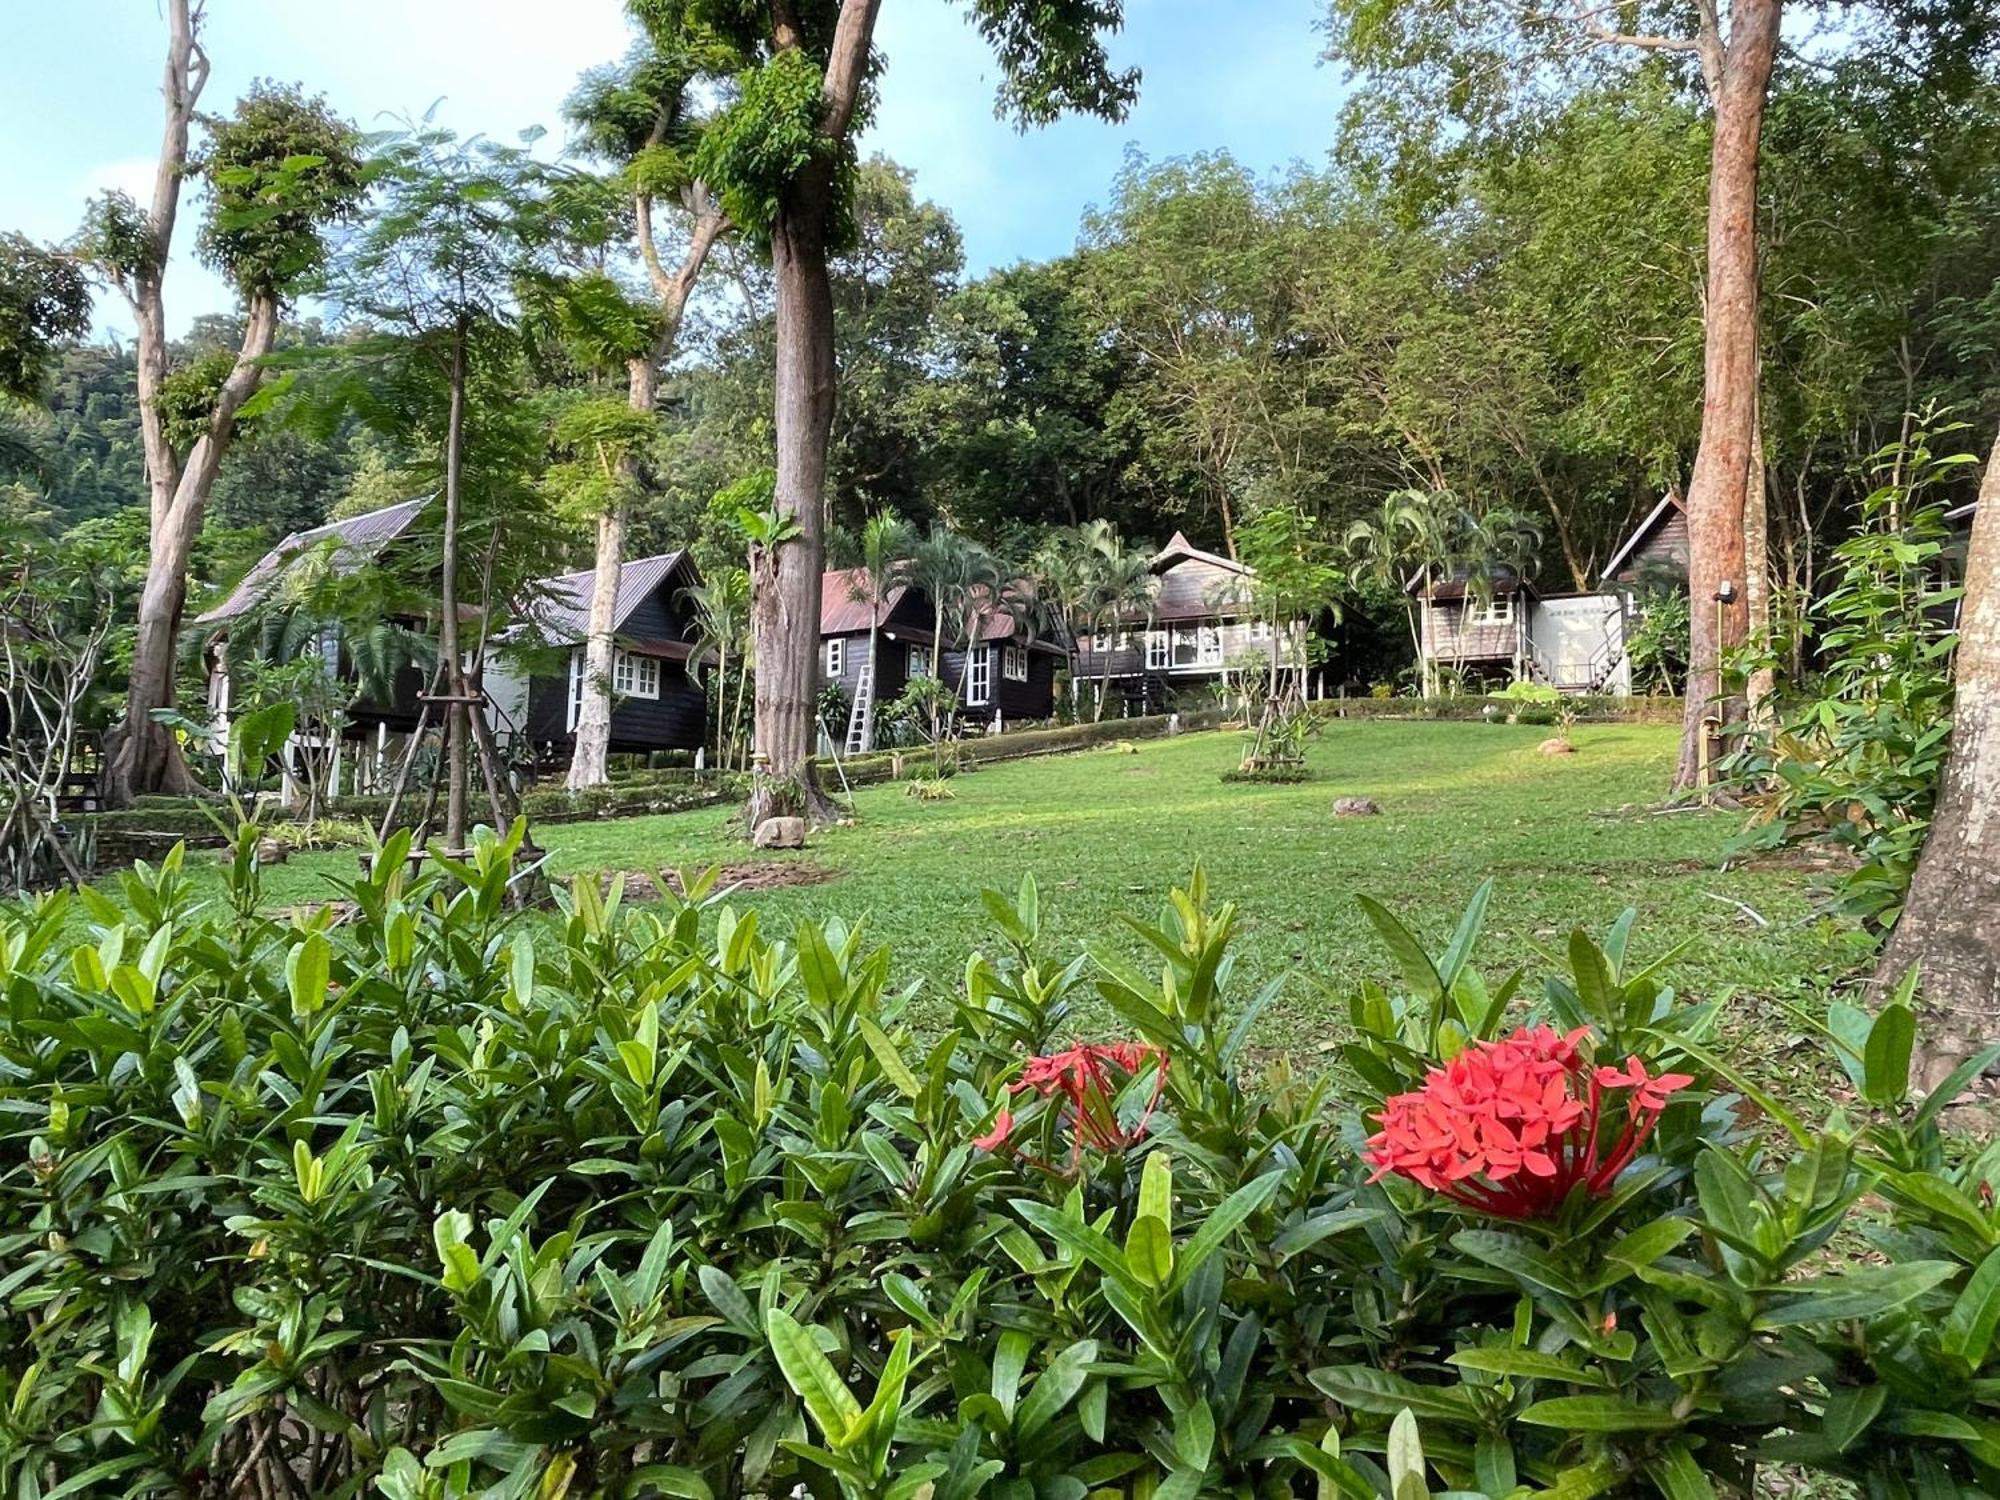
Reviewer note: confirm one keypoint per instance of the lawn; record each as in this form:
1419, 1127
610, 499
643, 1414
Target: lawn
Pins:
1568, 841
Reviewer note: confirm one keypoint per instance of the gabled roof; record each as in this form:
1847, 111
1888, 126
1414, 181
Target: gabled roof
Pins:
1671, 501
1503, 581
355, 541
1180, 549
840, 613
563, 612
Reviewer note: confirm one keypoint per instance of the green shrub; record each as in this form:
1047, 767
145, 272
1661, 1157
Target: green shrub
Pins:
1287, 775
434, 1201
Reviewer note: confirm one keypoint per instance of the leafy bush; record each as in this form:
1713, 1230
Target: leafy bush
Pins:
1286, 775
1656, 640
436, 1201
1858, 763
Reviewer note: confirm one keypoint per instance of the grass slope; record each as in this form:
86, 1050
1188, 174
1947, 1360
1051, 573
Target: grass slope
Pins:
1569, 841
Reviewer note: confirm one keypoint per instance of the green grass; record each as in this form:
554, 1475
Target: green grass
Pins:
1569, 842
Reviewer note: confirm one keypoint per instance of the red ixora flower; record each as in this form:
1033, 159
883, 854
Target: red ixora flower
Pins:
1513, 1127
1086, 1079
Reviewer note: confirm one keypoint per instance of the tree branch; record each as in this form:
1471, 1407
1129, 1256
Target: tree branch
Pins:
847, 64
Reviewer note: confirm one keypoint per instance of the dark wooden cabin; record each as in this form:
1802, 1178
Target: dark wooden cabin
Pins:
657, 697
1010, 676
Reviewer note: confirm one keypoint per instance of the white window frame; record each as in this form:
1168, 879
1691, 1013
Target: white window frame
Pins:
1498, 610
635, 676
836, 656
1159, 650
919, 663
979, 678
1208, 646
575, 702
1260, 630
1014, 663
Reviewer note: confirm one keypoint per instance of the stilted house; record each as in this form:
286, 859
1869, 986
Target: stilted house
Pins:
1201, 621
385, 713
1507, 631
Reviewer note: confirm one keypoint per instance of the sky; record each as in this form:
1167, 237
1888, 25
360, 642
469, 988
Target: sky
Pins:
80, 104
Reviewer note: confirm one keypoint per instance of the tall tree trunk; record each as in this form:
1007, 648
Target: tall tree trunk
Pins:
1716, 493
456, 727
785, 600
146, 757
874, 667
589, 763
1951, 922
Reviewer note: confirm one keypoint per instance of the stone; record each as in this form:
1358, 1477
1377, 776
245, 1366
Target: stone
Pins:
780, 833
1556, 746
1356, 807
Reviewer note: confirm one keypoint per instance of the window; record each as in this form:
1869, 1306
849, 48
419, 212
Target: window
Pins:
1014, 663
1100, 641
836, 656
1260, 630
1156, 650
635, 676
920, 663
575, 691
979, 679
1210, 649
1499, 610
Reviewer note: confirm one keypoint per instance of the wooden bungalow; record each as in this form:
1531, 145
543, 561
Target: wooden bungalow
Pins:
1656, 553
1007, 675
1510, 632
345, 547
657, 698
1200, 621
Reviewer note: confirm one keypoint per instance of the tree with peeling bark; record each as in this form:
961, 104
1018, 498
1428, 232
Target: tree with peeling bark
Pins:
641, 118
278, 173
781, 155
1950, 926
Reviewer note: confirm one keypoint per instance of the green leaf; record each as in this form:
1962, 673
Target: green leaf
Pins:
307, 970
1518, 1258
1968, 1328
1599, 1414
1220, 1225
1848, 1412
1406, 1459
1864, 1292
672, 1479
1366, 1388
1079, 1238
1149, 1251
1418, 970
1055, 1388
886, 1053
1678, 1476
1886, 1059
812, 1377
1529, 1364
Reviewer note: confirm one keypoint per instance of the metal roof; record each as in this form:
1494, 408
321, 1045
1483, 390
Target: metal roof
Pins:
356, 540
563, 611
840, 613
1180, 548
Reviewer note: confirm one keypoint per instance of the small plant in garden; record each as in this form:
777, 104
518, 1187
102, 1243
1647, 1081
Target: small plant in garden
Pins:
929, 788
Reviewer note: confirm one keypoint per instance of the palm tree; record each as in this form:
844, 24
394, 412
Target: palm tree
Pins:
936, 565
722, 616
1121, 583
1060, 573
975, 600
1409, 534
884, 540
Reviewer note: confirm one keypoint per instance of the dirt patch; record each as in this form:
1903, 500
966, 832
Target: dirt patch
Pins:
754, 875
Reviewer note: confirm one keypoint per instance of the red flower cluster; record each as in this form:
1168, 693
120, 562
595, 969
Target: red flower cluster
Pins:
1513, 1127
1083, 1078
